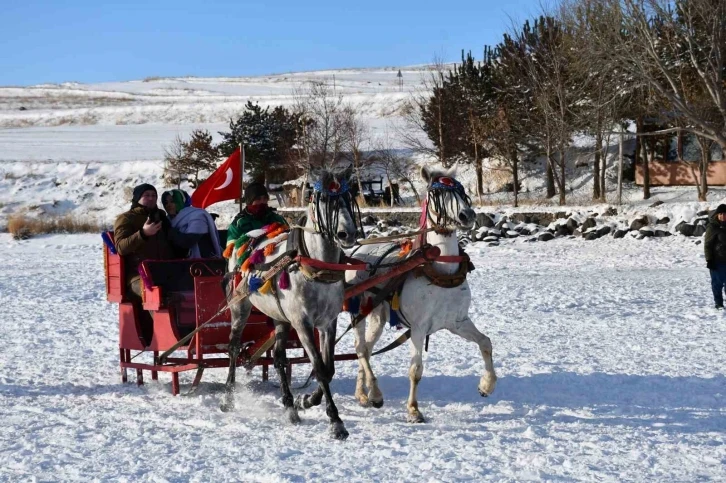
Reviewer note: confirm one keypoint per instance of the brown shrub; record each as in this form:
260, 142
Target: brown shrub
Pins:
22, 227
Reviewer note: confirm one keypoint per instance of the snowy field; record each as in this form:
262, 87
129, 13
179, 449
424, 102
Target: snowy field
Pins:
609, 355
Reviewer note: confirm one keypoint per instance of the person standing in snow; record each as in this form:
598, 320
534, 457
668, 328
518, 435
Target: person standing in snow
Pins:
255, 215
715, 250
141, 233
192, 229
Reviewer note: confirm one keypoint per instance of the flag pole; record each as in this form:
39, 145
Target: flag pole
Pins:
242, 177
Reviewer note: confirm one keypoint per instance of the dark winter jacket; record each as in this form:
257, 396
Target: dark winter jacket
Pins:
134, 246
714, 244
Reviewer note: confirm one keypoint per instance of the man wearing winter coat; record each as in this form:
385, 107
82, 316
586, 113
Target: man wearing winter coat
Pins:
255, 215
192, 229
715, 250
141, 234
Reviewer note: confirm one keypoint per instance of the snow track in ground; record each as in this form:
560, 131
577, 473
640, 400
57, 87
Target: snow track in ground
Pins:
609, 357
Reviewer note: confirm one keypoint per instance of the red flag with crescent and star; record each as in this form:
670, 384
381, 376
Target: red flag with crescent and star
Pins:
222, 185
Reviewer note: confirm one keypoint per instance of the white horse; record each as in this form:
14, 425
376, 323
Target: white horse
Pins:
312, 301
426, 307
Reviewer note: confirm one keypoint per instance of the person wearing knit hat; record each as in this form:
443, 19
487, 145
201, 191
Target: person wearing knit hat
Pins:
141, 233
256, 214
714, 246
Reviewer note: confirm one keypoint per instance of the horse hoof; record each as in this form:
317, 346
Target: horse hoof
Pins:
292, 416
416, 418
226, 407
483, 394
299, 403
338, 431
377, 404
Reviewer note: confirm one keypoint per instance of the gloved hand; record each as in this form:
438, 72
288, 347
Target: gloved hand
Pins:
711, 265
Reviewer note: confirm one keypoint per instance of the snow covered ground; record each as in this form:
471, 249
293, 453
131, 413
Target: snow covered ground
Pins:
609, 355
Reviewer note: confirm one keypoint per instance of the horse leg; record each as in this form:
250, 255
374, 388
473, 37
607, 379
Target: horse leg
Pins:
366, 336
327, 352
323, 373
240, 313
282, 331
465, 328
414, 375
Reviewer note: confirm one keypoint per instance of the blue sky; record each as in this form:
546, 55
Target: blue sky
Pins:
95, 41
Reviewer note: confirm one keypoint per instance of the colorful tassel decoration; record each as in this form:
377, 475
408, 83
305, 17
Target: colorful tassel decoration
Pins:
406, 246
284, 282
265, 287
145, 277
269, 249
241, 241
354, 305
395, 303
227, 253
393, 319
242, 249
246, 265
257, 257
255, 283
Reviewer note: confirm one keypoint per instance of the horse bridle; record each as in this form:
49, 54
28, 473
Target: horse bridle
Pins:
333, 195
436, 210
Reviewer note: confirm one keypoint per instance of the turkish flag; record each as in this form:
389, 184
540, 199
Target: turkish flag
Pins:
223, 184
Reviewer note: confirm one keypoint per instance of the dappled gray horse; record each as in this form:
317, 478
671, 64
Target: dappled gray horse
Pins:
434, 299
313, 299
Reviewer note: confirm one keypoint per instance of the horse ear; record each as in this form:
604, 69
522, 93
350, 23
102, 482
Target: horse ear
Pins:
451, 172
426, 174
347, 174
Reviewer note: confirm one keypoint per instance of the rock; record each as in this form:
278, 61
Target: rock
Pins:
493, 244
702, 213
464, 240
577, 232
393, 222
562, 231
619, 233
587, 224
491, 239
698, 242
591, 235
657, 203
368, 220
512, 234
611, 211
480, 233
699, 230
495, 232
572, 225
545, 236
663, 221
482, 219
646, 232
382, 225
639, 223
661, 233
603, 230
685, 229
500, 224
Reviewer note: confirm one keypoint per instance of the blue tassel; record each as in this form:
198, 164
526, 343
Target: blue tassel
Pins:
393, 320
354, 305
107, 240
255, 283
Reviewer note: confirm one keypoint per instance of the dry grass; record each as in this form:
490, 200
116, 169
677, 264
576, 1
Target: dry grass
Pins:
22, 227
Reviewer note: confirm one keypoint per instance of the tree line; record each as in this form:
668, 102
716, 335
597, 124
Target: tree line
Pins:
590, 67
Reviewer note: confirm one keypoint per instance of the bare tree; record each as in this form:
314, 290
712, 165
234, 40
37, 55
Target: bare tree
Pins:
397, 166
677, 49
356, 134
174, 163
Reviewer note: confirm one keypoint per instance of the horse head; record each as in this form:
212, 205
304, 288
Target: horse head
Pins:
447, 201
333, 209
